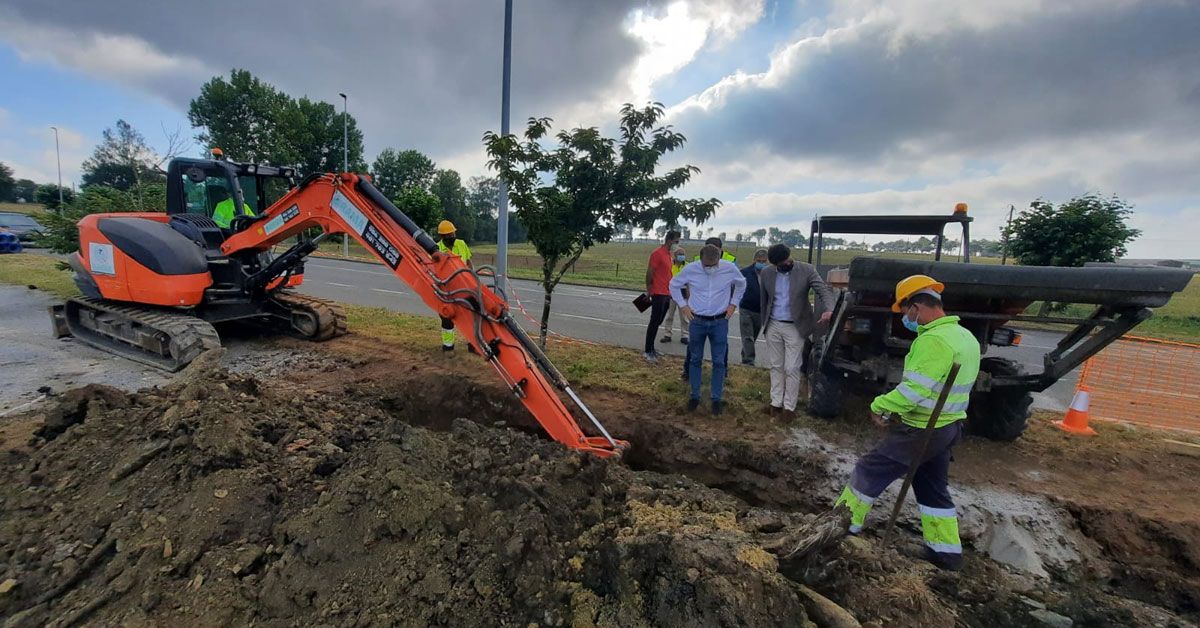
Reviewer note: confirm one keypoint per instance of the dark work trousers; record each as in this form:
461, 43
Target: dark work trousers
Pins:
659, 304
890, 458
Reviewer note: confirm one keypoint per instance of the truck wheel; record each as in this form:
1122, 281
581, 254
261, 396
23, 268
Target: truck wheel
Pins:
825, 394
1001, 413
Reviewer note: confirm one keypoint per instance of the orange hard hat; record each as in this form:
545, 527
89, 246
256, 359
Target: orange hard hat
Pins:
914, 284
446, 227
960, 208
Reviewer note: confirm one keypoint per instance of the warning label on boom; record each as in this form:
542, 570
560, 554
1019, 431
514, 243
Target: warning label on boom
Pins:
381, 245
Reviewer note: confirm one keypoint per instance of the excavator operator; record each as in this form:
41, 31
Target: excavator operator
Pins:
448, 242
223, 212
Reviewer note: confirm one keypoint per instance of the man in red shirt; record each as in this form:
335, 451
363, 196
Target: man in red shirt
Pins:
658, 276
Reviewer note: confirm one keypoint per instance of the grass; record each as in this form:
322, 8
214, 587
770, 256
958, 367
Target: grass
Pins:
30, 209
616, 264
37, 271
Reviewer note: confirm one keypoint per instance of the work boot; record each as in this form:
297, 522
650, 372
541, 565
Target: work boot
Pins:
941, 560
693, 404
771, 410
447, 347
787, 416
666, 339
683, 340
718, 407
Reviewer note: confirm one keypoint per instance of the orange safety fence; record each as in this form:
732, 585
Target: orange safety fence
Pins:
1146, 381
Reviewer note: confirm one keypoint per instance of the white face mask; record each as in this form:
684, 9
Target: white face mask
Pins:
710, 269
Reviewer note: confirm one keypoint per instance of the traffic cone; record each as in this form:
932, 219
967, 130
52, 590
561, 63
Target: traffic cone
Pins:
1076, 419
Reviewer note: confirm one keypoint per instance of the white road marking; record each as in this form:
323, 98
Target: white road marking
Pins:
342, 285
389, 291
590, 318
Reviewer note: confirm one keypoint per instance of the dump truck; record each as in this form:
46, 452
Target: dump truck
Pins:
863, 348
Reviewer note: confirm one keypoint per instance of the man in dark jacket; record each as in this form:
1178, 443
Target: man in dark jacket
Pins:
788, 322
749, 319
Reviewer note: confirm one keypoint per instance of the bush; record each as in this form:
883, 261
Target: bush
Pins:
62, 232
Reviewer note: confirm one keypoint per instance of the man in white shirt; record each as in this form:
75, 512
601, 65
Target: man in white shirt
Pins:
715, 287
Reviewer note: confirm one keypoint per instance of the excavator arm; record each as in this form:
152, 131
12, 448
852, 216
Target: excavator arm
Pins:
351, 204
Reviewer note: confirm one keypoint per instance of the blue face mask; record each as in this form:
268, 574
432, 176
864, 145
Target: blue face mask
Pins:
909, 324
759, 265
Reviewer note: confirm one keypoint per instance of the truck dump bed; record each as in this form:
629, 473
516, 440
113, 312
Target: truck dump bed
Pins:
968, 284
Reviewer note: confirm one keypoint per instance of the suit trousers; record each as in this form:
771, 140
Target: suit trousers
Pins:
785, 349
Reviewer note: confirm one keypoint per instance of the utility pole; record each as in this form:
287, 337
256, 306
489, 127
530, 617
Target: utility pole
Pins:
345, 160
502, 202
58, 158
1004, 254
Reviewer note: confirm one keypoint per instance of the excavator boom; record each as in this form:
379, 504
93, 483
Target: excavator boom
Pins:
351, 204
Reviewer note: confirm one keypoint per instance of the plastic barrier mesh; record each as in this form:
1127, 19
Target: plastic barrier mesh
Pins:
1147, 382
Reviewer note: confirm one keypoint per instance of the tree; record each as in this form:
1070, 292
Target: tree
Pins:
121, 160
24, 189
1088, 228
316, 138
774, 235
7, 183
793, 238
571, 198
452, 197
62, 234
396, 170
246, 118
47, 194
738, 237
423, 207
758, 235
722, 235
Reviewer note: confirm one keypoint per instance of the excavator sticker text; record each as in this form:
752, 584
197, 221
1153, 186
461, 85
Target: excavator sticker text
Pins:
381, 246
275, 223
348, 212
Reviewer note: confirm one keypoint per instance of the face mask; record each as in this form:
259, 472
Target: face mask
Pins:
710, 269
909, 324
759, 265
679, 259
786, 267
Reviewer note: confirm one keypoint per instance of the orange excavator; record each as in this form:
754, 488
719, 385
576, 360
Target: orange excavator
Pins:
155, 284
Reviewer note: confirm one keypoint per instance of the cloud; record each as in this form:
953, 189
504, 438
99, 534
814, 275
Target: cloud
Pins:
29, 150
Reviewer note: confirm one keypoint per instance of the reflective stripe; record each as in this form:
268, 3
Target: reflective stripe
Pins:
945, 548
862, 498
914, 396
448, 338
857, 503
958, 406
855, 528
936, 386
938, 512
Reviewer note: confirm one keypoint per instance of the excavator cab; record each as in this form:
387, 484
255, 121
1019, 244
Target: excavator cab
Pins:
196, 186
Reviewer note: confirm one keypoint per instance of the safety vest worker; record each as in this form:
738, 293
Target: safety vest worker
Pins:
223, 213
448, 242
940, 342
725, 255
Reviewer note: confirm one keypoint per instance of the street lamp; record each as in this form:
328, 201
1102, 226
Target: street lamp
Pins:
58, 158
502, 224
345, 159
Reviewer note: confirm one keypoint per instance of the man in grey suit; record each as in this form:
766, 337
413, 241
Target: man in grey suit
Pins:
788, 322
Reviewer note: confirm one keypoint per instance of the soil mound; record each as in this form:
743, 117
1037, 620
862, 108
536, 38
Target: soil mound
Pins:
221, 500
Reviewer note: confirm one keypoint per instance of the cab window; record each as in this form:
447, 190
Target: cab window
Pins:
203, 189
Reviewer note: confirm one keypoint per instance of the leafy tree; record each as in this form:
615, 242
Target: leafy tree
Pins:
7, 183
738, 237
423, 207
723, 236
758, 234
24, 188
1088, 228
987, 248
62, 235
245, 117
316, 136
47, 194
121, 160
452, 197
570, 198
396, 170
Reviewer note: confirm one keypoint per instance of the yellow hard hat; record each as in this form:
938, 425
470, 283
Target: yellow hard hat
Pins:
911, 285
445, 227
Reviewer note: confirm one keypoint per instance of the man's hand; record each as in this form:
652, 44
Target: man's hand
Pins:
878, 420
825, 318
686, 313
730, 310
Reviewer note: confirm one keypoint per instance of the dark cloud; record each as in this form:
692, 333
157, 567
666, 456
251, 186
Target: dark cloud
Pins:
419, 74
861, 99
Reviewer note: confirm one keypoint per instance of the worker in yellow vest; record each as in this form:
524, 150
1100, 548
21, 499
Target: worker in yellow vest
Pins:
678, 261
448, 242
223, 213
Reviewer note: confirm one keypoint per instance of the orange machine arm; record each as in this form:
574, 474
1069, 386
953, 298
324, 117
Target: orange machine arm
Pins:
349, 203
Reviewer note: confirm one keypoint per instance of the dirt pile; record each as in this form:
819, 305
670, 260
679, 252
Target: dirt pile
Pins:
223, 500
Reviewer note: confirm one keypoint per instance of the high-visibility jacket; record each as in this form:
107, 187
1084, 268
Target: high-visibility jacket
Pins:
938, 345
223, 213
675, 268
460, 249
725, 255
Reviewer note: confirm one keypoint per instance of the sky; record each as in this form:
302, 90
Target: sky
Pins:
792, 108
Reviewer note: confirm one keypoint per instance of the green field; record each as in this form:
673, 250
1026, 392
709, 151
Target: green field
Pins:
31, 209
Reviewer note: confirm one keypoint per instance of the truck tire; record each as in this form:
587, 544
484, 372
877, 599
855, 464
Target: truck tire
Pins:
825, 394
1001, 413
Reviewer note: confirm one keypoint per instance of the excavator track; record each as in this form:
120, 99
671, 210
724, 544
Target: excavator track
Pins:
160, 338
312, 318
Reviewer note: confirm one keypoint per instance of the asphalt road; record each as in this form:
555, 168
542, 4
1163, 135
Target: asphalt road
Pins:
602, 315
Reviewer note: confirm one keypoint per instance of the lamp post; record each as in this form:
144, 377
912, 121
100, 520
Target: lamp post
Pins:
58, 158
345, 159
502, 201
